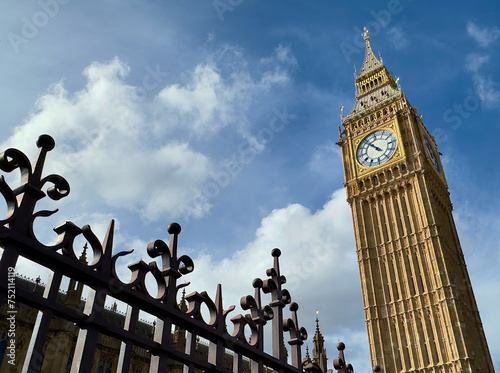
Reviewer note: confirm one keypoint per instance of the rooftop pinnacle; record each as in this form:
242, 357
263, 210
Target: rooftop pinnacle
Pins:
370, 62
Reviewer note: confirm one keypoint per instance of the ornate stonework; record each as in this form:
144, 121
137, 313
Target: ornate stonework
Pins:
420, 309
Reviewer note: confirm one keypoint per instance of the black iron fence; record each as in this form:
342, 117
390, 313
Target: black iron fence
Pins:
244, 346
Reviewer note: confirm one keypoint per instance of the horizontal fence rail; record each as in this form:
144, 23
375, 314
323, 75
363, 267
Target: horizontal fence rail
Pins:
17, 239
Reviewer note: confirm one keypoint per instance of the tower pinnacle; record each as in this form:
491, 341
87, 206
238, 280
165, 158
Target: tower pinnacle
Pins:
319, 351
394, 184
375, 86
83, 256
183, 306
371, 62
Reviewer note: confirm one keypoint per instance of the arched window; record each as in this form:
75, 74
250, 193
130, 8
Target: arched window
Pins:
105, 365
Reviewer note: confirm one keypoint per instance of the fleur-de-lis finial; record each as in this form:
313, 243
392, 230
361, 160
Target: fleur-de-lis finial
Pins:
365, 35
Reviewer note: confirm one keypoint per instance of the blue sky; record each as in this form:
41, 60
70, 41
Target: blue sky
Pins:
223, 116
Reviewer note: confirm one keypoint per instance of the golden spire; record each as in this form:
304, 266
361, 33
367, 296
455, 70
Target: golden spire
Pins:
366, 36
370, 62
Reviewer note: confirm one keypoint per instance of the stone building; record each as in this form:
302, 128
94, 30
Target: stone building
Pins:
61, 340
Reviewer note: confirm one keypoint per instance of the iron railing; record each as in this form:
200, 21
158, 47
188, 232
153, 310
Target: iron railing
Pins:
17, 239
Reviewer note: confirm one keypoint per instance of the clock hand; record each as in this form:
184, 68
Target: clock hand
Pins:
375, 147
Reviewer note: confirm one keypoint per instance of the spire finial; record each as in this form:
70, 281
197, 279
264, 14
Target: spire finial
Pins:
183, 306
366, 36
83, 257
37, 282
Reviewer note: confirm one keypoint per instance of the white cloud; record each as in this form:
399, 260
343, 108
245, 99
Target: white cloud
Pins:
483, 36
136, 153
488, 91
100, 130
284, 54
208, 101
198, 104
474, 61
318, 260
486, 88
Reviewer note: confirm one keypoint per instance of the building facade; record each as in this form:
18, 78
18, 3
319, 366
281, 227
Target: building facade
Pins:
62, 337
61, 340
420, 310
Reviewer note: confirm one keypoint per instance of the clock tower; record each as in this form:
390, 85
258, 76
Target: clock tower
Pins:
420, 310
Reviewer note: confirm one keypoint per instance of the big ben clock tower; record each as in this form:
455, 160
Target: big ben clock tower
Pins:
420, 310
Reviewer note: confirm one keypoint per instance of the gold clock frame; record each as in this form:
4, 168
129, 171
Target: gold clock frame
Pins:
399, 153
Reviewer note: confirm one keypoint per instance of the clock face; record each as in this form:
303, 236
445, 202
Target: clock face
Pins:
376, 148
431, 153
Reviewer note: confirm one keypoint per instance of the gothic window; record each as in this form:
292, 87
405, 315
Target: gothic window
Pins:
105, 365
